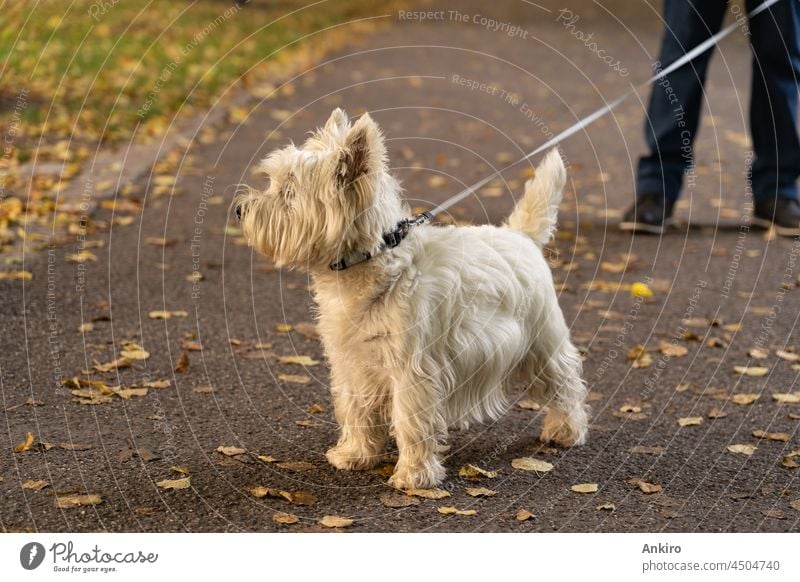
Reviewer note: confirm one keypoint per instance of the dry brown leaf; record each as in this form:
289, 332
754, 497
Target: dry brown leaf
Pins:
645, 450
335, 521
758, 353
524, 515
788, 356
35, 485
26, 444
787, 397
294, 378
690, 421
230, 451
772, 436
643, 361
531, 464
266, 458
745, 399
584, 488
134, 351
434, 493
183, 363
117, 364
752, 371
742, 449
474, 472
795, 504
68, 501
179, 469
606, 506
672, 349
284, 518
167, 314
298, 360
85, 327
397, 501
157, 384
480, 492
182, 483
447, 510
192, 346
128, 393
204, 390
649, 488
715, 413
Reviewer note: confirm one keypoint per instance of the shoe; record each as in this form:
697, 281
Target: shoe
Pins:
783, 214
650, 213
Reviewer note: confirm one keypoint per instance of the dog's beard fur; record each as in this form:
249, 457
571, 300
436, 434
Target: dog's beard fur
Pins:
429, 335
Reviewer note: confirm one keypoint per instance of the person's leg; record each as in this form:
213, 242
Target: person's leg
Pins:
673, 113
775, 38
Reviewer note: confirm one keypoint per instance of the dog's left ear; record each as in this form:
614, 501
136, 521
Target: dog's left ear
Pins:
363, 153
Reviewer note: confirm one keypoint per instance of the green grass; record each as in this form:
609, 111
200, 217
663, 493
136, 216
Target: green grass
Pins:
87, 79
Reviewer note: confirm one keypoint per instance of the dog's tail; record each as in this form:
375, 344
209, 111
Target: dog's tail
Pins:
536, 214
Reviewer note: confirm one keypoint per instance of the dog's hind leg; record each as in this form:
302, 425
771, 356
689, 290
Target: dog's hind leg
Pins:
554, 373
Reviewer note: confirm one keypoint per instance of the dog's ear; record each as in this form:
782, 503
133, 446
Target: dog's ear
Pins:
363, 153
337, 123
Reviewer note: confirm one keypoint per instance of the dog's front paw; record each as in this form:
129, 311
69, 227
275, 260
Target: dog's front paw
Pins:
419, 477
350, 459
563, 430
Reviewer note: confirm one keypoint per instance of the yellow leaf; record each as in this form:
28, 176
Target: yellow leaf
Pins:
480, 492
134, 352
641, 290
531, 464
117, 364
672, 350
428, 493
745, 398
283, 327
15, 275
787, 397
298, 360
128, 393
284, 518
68, 501
294, 378
231, 451
336, 521
606, 506
81, 257
753, 371
454, 511
649, 488
742, 449
26, 445
475, 472
182, 483
35, 485
690, 421
86, 327
584, 488
524, 515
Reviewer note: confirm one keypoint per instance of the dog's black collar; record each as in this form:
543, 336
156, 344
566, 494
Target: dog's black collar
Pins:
390, 240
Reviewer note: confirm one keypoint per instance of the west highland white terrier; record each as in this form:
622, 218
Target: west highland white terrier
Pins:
425, 327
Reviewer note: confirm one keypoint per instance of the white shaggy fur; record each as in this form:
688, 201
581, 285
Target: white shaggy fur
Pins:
426, 336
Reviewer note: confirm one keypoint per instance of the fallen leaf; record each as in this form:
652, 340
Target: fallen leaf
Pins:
85, 327
284, 518
649, 488
167, 314
789, 460
179, 469
134, 352
715, 413
128, 393
15, 275
480, 492
672, 350
787, 397
335, 521
158, 384
745, 399
204, 390
283, 327
474, 472
183, 363
584, 488
81, 257
752, 371
117, 364
25, 445
397, 501
788, 356
266, 458
434, 493
294, 378
773, 513
742, 449
772, 436
690, 421
35, 485
67, 501
758, 353
630, 408
531, 464
231, 451
316, 408
795, 504
298, 360
524, 515
447, 510
192, 346
641, 290
182, 483
606, 506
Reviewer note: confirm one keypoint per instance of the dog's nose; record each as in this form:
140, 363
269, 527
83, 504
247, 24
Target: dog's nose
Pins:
238, 211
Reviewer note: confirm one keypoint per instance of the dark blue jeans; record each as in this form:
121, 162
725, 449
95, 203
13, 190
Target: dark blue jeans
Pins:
676, 102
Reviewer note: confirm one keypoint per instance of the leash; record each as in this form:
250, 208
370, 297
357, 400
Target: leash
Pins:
402, 228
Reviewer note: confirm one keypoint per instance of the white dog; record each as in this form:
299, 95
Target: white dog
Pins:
424, 326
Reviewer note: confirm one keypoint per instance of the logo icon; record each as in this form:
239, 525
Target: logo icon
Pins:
31, 555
